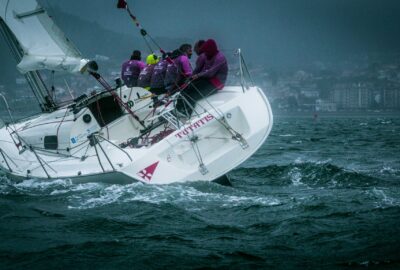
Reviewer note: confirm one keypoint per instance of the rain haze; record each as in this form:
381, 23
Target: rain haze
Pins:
272, 33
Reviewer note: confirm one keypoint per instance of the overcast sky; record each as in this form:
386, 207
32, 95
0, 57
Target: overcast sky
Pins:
275, 31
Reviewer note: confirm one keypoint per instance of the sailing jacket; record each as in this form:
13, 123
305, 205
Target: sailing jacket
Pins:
215, 69
158, 76
199, 63
130, 72
178, 72
145, 76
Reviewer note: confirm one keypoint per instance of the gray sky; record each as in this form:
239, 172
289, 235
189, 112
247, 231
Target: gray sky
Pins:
279, 32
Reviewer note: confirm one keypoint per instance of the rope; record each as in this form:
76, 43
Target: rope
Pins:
143, 32
62, 120
116, 97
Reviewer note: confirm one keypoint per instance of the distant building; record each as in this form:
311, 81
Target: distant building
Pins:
353, 96
391, 98
325, 106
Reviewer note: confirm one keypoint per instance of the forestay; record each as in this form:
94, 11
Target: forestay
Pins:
43, 43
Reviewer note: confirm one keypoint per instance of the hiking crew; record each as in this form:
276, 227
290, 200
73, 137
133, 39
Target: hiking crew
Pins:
172, 72
131, 69
183, 64
157, 78
209, 78
146, 74
180, 70
200, 56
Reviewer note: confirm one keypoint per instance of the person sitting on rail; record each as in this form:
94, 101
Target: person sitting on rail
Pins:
157, 78
200, 56
147, 72
131, 69
180, 70
207, 80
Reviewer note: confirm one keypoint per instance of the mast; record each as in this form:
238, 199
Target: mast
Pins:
33, 78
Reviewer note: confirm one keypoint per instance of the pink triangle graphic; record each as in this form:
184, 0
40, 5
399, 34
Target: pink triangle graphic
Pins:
148, 172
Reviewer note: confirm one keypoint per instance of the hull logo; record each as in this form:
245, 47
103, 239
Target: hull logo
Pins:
148, 172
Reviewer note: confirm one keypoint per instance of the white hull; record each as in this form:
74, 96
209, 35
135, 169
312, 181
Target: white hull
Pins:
201, 150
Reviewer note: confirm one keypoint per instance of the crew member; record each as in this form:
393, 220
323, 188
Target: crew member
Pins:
147, 72
157, 78
210, 78
180, 70
131, 69
200, 56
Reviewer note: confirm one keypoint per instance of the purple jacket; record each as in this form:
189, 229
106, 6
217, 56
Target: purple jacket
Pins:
215, 69
199, 63
130, 72
157, 79
145, 76
178, 72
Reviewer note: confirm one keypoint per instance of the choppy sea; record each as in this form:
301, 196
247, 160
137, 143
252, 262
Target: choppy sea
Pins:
320, 194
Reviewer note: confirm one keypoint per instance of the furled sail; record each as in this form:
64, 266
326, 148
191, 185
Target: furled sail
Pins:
44, 45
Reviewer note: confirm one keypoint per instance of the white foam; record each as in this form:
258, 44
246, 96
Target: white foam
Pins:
42, 184
384, 199
295, 176
388, 170
180, 195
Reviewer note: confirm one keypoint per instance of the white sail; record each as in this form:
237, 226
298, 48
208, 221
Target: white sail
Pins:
43, 43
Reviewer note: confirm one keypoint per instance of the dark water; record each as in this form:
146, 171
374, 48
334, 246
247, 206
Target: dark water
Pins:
317, 195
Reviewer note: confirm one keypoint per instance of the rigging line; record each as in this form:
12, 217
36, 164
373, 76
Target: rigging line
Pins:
53, 89
197, 153
39, 158
143, 32
221, 121
49, 152
62, 120
40, 161
105, 154
148, 45
42, 124
4, 158
5, 13
97, 155
107, 87
247, 70
218, 138
13, 139
99, 111
87, 148
203, 98
198, 150
116, 146
130, 93
5, 154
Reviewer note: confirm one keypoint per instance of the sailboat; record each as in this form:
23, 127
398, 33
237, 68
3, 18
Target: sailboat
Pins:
119, 134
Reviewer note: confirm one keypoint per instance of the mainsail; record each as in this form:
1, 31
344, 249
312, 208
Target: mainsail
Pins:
37, 43
44, 45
